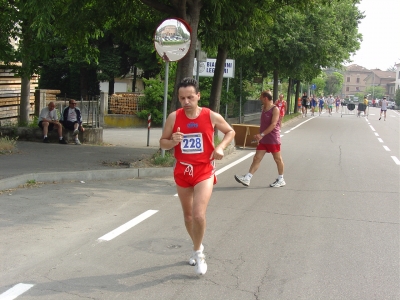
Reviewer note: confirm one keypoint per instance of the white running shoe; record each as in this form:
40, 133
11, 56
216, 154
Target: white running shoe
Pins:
243, 180
278, 183
76, 131
77, 142
201, 265
192, 259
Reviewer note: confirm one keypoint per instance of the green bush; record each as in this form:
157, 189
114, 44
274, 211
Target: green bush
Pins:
154, 100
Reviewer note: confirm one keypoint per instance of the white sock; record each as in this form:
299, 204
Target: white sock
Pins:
60, 138
76, 139
280, 177
45, 136
248, 176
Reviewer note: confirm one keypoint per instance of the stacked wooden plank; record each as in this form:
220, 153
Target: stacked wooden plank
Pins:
124, 103
10, 94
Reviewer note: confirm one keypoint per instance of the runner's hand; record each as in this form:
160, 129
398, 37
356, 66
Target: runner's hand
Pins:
177, 136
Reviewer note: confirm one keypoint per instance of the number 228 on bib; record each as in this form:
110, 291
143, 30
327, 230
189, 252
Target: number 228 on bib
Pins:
192, 143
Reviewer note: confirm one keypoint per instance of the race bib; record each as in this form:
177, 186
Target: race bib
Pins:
192, 143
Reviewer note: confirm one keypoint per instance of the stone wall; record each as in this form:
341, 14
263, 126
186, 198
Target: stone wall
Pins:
89, 136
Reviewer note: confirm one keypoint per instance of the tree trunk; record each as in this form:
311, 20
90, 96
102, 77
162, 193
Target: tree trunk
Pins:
289, 96
191, 14
111, 86
134, 79
297, 95
215, 96
26, 73
276, 85
25, 98
84, 82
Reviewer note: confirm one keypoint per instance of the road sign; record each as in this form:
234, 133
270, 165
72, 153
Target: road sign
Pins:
313, 86
207, 68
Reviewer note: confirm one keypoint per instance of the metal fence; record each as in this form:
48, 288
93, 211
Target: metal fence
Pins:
252, 106
90, 109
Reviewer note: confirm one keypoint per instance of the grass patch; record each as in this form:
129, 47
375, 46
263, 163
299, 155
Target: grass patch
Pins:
166, 161
7, 145
31, 182
289, 117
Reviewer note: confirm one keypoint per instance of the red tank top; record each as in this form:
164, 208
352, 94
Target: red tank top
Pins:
274, 136
198, 140
282, 107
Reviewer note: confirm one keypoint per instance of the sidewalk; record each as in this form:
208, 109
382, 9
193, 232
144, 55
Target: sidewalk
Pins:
55, 162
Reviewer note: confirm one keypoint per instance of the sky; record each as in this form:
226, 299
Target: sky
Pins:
380, 28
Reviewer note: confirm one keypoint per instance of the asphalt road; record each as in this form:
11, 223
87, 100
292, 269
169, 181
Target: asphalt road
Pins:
331, 233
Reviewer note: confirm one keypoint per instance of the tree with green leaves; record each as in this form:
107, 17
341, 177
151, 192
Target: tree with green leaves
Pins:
397, 98
333, 83
376, 92
303, 42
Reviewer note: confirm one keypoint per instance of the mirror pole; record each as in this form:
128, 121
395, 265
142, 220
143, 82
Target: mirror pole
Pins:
165, 100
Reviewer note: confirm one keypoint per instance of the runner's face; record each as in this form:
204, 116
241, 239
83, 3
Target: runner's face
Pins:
188, 97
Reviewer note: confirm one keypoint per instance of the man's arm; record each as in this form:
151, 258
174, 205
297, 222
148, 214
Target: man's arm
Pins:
223, 126
168, 138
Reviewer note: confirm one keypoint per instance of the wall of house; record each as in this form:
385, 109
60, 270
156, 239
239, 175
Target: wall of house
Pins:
354, 82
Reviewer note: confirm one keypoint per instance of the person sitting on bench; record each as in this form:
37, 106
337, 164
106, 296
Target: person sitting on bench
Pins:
72, 120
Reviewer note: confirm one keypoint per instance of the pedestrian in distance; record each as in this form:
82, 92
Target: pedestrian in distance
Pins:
299, 104
384, 105
304, 104
365, 106
72, 120
313, 104
48, 120
190, 131
321, 103
329, 103
269, 141
337, 102
281, 104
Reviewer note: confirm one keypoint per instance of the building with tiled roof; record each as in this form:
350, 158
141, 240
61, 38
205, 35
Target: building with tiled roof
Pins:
385, 79
354, 80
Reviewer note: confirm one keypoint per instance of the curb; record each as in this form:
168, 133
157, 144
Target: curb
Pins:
52, 177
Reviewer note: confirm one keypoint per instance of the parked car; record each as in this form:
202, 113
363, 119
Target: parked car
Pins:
391, 105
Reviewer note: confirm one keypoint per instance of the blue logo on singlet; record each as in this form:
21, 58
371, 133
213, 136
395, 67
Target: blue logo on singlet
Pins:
192, 125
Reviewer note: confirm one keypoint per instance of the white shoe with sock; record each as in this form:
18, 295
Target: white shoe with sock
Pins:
192, 259
201, 265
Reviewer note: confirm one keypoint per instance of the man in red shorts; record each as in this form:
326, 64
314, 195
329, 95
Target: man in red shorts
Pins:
269, 140
190, 131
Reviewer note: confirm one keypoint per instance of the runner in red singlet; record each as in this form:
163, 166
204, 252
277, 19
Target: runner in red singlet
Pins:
190, 131
269, 140
281, 104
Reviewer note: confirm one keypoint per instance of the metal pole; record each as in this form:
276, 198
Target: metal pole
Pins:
226, 104
148, 128
373, 86
165, 100
240, 98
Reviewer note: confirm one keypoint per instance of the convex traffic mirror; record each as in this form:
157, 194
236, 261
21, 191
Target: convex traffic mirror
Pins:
172, 39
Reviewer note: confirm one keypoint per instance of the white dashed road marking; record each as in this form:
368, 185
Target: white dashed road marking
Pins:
386, 148
396, 160
15, 291
128, 225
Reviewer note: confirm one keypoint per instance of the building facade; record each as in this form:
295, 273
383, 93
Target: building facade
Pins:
354, 80
385, 79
